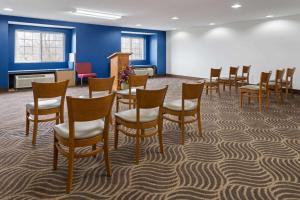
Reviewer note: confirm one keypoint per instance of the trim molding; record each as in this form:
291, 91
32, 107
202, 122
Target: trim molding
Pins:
184, 77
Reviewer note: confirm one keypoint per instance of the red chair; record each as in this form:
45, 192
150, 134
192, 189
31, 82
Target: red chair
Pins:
84, 70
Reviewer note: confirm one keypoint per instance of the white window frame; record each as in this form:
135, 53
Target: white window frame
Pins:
130, 47
41, 46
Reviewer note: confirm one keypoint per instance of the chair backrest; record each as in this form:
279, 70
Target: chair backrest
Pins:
82, 110
100, 84
49, 90
246, 69
192, 90
138, 81
83, 68
279, 77
233, 72
150, 99
215, 73
290, 75
264, 81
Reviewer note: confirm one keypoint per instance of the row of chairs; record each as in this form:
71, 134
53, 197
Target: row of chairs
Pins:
89, 118
233, 80
266, 87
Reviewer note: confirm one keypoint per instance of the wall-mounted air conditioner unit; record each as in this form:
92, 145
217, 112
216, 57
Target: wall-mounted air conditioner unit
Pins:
24, 81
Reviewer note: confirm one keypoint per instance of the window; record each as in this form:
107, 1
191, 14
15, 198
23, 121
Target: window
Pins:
36, 46
134, 45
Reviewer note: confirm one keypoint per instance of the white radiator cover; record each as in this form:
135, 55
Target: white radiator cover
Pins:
24, 81
143, 71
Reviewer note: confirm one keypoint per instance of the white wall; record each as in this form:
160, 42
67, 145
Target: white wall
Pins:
265, 44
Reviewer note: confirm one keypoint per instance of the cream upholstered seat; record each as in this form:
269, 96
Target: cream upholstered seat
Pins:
44, 104
251, 87
146, 115
83, 130
95, 95
177, 105
126, 91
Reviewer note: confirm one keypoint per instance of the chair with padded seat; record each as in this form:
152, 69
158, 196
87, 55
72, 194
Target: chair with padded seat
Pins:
48, 100
276, 85
188, 106
213, 83
244, 78
259, 91
84, 70
287, 84
231, 80
88, 125
128, 96
146, 119
100, 86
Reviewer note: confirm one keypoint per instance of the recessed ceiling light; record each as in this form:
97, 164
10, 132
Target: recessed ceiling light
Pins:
138, 25
175, 18
212, 24
269, 16
96, 14
236, 6
8, 9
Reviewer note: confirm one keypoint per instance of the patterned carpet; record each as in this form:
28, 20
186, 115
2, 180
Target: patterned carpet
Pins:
244, 154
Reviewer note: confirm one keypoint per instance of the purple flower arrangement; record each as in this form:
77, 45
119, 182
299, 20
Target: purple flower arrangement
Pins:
125, 73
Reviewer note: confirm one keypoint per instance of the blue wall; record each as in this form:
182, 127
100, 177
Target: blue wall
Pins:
93, 43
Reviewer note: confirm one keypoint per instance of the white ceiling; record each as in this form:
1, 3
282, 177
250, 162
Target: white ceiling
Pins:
154, 14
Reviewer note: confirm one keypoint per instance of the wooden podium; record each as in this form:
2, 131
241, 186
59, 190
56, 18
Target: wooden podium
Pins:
118, 62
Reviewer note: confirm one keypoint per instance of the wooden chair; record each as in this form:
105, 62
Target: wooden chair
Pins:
276, 85
288, 82
49, 99
231, 80
213, 83
257, 91
98, 86
85, 128
148, 115
244, 78
188, 105
128, 96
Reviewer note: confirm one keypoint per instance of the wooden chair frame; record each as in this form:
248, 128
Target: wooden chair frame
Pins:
263, 91
214, 81
100, 85
135, 81
189, 92
81, 110
46, 91
146, 99
288, 82
232, 79
277, 87
244, 79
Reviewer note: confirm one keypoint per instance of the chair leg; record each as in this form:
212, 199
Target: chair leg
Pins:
260, 103
94, 146
57, 118
286, 92
224, 86
137, 146
116, 135
110, 119
27, 123
199, 123
117, 105
61, 116
249, 99
106, 157
219, 92
143, 134
70, 169
182, 129
241, 99
206, 90
81, 82
35, 129
55, 153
